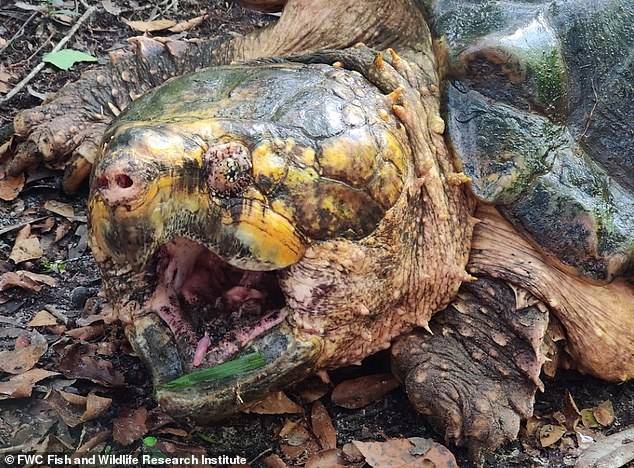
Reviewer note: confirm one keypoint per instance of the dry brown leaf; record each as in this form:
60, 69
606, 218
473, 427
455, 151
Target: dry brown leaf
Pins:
176, 449
96, 406
274, 461
571, 411
150, 26
61, 230
24, 358
87, 333
398, 452
21, 386
10, 187
295, 453
351, 453
75, 409
550, 433
42, 319
26, 246
275, 403
78, 361
323, 427
60, 208
25, 280
91, 443
130, 425
64, 18
156, 419
43, 279
46, 225
22, 341
67, 410
360, 392
173, 431
312, 389
604, 413
532, 425
331, 458
5, 77
73, 398
587, 418
559, 417
189, 24
439, 456
294, 433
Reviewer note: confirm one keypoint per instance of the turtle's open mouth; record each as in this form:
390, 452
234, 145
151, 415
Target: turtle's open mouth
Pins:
213, 308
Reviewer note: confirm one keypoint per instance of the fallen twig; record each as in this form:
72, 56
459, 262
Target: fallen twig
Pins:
13, 227
59, 45
19, 32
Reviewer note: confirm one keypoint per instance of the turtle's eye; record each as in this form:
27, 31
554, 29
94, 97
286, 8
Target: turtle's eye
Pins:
228, 169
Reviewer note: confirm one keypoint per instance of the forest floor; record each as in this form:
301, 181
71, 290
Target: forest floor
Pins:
69, 381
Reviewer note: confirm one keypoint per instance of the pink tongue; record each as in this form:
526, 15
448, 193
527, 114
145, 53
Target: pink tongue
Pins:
201, 350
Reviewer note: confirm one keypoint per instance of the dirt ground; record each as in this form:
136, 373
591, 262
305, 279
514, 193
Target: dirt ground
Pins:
97, 359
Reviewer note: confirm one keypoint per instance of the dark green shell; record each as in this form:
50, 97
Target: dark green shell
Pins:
539, 107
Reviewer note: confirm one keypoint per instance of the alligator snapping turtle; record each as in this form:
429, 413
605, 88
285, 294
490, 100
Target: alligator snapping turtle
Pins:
466, 200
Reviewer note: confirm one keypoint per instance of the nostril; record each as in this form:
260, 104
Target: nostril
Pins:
102, 182
123, 180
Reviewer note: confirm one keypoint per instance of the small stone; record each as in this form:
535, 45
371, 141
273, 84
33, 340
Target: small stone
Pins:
79, 296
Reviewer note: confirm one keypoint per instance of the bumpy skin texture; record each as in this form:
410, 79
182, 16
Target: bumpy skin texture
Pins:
477, 375
599, 319
538, 109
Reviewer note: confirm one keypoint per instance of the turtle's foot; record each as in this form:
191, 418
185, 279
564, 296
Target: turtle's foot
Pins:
476, 376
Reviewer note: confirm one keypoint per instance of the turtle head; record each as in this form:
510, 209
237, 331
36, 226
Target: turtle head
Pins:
223, 227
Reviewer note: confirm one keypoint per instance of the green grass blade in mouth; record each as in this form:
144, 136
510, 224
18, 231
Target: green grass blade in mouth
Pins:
242, 364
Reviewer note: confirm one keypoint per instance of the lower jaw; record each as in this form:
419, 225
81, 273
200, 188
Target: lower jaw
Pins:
287, 360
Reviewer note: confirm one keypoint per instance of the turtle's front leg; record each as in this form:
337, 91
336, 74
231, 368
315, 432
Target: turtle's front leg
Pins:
476, 376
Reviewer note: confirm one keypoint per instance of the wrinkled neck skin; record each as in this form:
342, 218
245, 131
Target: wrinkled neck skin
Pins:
358, 296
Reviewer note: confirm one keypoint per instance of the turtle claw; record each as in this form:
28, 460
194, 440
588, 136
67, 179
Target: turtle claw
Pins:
79, 166
397, 63
396, 95
477, 375
379, 63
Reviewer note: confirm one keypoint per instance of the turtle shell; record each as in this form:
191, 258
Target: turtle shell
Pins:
318, 145
538, 101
